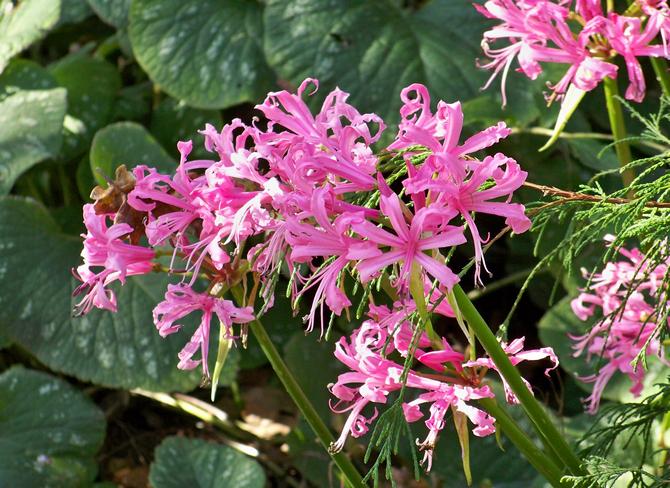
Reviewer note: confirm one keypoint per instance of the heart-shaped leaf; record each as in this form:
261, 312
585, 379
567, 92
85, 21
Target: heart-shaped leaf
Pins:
23, 24
205, 52
50, 432
126, 143
30, 131
114, 349
373, 49
22, 74
92, 85
196, 463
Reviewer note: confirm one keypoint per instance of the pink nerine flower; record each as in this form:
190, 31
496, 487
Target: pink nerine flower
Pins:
452, 175
374, 374
427, 229
180, 301
587, 40
626, 326
104, 247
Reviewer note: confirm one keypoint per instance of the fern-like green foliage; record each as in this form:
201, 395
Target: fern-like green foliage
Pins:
616, 429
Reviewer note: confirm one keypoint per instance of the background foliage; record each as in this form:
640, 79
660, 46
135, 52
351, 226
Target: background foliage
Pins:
86, 85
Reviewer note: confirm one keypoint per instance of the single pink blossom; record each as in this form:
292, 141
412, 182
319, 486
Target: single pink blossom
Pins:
181, 300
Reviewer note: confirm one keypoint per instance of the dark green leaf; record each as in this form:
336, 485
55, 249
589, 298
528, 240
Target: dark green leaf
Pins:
114, 349
50, 432
22, 74
24, 24
91, 86
196, 463
73, 11
301, 353
373, 49
172, 121
113, 12
205, 52
126, 143
30, 131
133, 102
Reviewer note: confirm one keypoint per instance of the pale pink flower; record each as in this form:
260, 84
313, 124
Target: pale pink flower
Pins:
105, 248
181, 300
625, 325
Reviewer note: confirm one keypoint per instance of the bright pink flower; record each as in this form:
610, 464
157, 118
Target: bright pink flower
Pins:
538, 31
626, 326
104, 247
427, 229
181, 300
373, 374
629, 39
329, 240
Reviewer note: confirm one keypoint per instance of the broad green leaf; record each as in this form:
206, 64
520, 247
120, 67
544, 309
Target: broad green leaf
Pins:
22, 74
73, 11
121, 350
84, 178
23, 24
173, 121
554, 328
4, 339
92, 85
30, 131
592, 154
133, 102
196, 463
205, 52
301, 354
130, 144
373, 49
113, 12
50, 432
568, 106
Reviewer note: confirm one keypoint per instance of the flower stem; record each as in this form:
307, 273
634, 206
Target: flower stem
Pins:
351, 474
519, 438
553, 441
618, 127
662, 75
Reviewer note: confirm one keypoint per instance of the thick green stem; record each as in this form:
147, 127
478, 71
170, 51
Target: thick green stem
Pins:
660, 66
538, 459
293, 388
618, 126
552, 439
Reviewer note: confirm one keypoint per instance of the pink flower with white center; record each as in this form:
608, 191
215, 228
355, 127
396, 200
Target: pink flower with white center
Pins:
105, 248
427, 230
329, 240
626, 326
181, 300
440, 132
188, 204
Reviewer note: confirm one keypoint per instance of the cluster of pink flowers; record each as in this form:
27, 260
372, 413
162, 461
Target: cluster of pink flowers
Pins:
451, 382
624, 295
287, 196
578, 34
